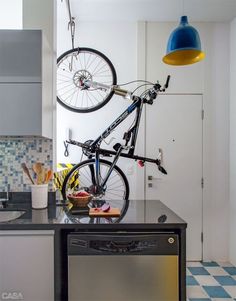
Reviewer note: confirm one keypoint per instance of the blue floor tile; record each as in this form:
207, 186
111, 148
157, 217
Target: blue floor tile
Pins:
216, 292
210, 264
225, 280
198, 271
190, 280
230, 270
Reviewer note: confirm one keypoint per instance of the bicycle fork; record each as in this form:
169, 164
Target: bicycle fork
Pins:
97, 179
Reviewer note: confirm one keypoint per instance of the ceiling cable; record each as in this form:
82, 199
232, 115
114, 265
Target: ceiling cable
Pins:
71, 24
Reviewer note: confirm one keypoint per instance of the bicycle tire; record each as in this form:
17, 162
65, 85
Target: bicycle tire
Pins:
69, 92
116, 171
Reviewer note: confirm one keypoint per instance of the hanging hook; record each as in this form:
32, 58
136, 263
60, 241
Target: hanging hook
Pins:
71, 24
71, 27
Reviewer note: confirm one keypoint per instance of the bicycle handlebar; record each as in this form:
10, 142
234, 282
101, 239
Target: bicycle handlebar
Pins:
151, 93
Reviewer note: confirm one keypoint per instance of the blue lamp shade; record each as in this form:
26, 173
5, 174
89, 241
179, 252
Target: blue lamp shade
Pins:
184, 45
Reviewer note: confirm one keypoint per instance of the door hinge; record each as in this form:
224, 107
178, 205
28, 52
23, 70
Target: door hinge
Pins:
203, 113
202, 182
201, 236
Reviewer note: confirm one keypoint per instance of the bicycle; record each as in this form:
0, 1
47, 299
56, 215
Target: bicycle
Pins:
103, 178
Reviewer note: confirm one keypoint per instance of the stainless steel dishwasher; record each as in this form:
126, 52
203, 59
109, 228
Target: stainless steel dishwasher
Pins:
123, 267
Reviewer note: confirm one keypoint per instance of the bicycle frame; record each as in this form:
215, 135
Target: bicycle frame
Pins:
138, 105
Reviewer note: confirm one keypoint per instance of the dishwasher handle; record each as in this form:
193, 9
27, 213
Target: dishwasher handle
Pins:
124, 244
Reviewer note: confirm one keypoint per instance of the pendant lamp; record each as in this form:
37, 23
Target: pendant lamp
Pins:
184, 45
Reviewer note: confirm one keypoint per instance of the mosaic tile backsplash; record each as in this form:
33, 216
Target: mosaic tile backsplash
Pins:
13, 152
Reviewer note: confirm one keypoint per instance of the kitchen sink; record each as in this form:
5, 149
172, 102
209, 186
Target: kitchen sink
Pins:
9, 215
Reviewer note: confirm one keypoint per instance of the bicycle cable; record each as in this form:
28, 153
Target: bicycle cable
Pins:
136, 81
146, 84
144, 93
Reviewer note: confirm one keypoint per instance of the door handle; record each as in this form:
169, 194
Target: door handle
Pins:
151, 178
160, 155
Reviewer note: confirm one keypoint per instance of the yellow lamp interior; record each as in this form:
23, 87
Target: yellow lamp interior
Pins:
183, 57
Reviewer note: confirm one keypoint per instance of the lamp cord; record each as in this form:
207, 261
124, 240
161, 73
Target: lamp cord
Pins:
183, 8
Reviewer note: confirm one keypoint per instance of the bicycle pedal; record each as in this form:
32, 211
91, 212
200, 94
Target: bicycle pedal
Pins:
141, 163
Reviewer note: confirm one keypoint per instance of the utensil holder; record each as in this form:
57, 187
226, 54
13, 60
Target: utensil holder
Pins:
39, 196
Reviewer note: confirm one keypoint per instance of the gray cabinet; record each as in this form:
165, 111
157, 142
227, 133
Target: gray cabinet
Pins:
27, 265
25, 98
20, 56
21, 108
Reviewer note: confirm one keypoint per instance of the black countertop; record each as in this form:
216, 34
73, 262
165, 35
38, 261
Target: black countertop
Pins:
139, 214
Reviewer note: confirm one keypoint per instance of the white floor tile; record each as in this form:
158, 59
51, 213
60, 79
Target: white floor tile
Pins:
194, 264
206, 280
216, 271
224, 264
196, 292
188, 272
222, 299
231, 290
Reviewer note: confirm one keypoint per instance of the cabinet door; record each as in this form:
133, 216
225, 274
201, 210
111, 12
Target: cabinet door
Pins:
27, 265
21, 109
20, 55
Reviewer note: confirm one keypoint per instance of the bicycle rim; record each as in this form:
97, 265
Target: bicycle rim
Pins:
117, 187
80, 64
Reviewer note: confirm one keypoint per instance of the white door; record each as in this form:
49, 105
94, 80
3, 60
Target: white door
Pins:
174, 125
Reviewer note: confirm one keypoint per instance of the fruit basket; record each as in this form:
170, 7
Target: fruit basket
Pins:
80, 198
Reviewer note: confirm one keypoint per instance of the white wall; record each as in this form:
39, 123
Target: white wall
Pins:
41, 14
233, 143
11, 14
216, 142
118, 42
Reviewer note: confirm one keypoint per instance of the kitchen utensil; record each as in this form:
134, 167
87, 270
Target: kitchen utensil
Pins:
42, 175
39, 170
26, 170
48, 176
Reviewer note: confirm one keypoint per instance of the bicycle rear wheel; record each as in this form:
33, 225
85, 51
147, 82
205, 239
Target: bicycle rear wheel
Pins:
116, 192
77, 65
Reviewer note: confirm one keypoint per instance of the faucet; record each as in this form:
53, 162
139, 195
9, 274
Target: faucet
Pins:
3, 201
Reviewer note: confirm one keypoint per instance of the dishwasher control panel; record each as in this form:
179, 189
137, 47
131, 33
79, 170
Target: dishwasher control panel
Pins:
123, 247
125, 244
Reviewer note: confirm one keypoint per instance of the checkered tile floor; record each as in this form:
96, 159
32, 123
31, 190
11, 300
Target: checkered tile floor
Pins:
208, 281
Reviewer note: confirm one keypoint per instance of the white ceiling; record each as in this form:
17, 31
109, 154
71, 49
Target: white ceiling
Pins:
153, 10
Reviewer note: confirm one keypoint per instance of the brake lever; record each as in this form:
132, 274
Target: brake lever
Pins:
166, 85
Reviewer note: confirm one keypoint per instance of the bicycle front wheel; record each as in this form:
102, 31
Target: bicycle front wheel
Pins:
116, 191
73, 68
